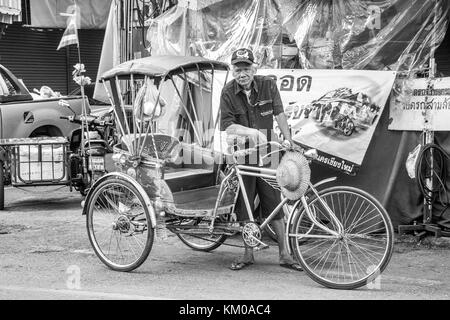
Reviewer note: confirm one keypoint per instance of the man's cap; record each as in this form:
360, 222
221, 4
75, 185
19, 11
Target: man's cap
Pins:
242, 56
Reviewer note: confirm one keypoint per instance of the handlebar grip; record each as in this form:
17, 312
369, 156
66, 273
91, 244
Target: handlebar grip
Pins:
243, 153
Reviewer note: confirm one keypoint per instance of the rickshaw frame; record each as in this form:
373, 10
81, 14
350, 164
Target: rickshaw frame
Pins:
313, 219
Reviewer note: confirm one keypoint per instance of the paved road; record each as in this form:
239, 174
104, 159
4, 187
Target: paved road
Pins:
44, 245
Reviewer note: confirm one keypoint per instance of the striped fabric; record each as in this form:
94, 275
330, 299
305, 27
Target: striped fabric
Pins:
10, 11
70, 36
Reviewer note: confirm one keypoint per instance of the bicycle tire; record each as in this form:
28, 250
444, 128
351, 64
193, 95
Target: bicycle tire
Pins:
193, 241
127, 217
313, 253
2, 186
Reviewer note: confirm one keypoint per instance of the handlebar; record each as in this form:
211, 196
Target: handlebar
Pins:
90, 120
310, 154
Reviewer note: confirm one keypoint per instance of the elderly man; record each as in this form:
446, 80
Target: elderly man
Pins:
248, 104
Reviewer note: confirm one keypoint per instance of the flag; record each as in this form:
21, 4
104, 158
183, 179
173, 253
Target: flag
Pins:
70, 36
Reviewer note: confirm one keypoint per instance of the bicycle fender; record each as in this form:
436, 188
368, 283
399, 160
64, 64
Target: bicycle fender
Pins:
123, 176
324, 181
288, 223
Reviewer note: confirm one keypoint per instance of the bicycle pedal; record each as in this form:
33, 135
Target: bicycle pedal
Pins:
263, 247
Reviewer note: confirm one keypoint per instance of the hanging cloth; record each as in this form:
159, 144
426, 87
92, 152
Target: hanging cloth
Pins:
10, 11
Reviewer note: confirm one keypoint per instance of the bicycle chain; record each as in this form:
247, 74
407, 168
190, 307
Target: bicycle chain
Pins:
224, 244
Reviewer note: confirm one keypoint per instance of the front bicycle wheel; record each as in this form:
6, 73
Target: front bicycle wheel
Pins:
119, 226
349, 260
201, 242
2, 187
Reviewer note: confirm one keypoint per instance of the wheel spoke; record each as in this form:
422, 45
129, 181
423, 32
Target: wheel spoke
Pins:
364, 231
357, 223
325, 257
349, 211
365, 253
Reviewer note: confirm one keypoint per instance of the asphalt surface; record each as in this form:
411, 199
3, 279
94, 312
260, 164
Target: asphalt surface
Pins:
44, 247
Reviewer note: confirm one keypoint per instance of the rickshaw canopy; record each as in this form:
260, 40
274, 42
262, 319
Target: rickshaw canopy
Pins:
164, 66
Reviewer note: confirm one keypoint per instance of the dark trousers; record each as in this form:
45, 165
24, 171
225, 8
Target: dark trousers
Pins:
269, 199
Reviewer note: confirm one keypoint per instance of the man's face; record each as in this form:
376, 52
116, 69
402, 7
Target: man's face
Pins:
244, 74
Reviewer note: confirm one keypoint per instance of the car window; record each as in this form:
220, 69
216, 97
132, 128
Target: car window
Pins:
6, 86
23, 84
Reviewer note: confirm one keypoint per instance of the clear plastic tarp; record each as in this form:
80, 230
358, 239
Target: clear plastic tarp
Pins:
330, 34
215, 31
90, 14
360, 34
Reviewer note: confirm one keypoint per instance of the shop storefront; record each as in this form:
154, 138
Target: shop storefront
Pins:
38, 63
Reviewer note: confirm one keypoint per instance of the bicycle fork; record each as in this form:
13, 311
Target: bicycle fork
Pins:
336, 221
312, 216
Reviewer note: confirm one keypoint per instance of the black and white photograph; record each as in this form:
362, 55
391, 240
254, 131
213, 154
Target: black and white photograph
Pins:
220, 157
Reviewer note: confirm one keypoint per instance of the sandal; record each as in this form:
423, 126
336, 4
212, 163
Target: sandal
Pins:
293, 266
237, 265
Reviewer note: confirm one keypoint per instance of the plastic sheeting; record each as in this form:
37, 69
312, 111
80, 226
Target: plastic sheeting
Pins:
360, 34
330, 34
92, 14
217, 30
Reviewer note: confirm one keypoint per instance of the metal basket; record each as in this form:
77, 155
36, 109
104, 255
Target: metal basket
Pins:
38, 161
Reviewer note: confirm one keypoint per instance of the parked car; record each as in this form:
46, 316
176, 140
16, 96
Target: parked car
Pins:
24, 114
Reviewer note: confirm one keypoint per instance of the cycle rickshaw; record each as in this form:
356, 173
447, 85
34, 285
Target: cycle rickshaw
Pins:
342, 236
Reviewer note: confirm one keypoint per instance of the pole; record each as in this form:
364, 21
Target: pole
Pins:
84, 125
429, 133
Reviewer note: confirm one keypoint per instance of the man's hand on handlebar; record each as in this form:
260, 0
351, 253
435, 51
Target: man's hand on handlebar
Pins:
287, 144
291, 145
258, 137
237, 134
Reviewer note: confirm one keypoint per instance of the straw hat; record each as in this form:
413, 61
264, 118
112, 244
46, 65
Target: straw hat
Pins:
293, 175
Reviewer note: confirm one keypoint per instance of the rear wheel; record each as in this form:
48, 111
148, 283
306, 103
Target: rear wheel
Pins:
119, 225
2, 186
356, 257
200, 242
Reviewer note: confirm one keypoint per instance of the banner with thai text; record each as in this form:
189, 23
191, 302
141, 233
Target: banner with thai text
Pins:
419, 104
334, 111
